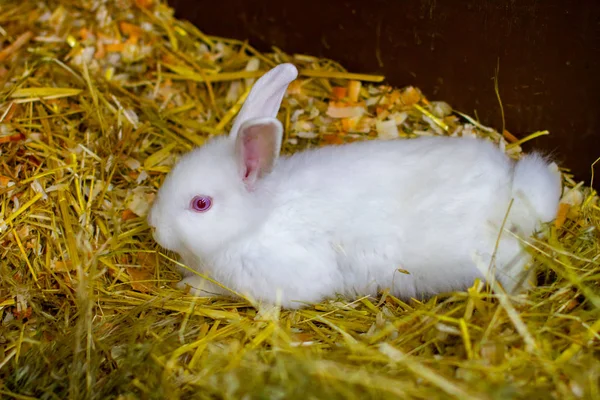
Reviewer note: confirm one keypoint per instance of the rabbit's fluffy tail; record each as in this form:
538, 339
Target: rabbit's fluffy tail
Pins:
536, 190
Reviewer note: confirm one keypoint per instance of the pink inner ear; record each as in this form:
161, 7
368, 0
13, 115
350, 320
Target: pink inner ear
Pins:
251, 153
257, 150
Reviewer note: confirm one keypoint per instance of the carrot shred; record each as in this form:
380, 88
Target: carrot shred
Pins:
509, 136
84, 33
394, 97
561, 215
4, 181
12, 138
100, 51
332, 139
63, 266
339, 92
143, 3
346, 124
104, 36
114, 47
127, 214
130, 29
133, 39
410, 96
295, 87
19, 315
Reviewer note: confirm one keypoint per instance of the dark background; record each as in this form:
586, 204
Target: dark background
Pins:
549, 52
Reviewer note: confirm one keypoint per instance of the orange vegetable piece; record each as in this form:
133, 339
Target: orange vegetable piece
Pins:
127, 214
130, 29
561, 215
295, 87
346, 124
349, 123
143, 3
509, 136
394, 96
100, 51
4, 180
84, 33
169, 59
303, 337
132, 39
339, 92
104, 36
114, 48
62, 266
410, 96
12, 138
332, 139
22, 314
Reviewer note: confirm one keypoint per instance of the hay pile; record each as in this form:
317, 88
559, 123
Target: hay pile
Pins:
97, 99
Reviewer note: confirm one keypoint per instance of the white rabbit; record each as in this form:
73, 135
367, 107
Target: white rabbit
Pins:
344, 219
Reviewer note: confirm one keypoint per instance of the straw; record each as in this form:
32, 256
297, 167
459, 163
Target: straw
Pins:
97, 102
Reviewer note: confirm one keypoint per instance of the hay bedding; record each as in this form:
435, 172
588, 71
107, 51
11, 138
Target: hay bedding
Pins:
97, 99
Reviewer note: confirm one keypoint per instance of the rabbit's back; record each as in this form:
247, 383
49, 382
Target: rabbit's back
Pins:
421, 183
422, 205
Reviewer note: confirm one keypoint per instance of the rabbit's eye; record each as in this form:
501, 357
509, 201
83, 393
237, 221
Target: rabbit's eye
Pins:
201, 203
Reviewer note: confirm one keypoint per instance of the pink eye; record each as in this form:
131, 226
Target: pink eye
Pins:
201, 203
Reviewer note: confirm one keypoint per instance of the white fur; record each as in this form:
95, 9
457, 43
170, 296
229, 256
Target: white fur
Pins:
344, 219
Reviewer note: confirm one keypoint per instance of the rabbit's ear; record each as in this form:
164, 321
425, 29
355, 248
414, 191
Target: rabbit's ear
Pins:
266, 95
257, 148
